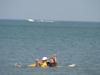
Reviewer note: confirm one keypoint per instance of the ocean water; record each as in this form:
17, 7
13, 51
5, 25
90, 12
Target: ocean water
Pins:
73, 42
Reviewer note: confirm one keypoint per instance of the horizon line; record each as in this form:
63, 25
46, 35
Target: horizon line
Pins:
55, 20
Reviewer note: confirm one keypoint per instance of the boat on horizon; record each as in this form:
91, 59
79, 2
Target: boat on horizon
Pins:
30, 20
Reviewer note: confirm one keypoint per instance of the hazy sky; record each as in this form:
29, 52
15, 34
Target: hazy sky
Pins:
70, 10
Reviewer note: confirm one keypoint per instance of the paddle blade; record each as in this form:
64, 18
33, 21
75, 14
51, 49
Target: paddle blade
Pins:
32, 65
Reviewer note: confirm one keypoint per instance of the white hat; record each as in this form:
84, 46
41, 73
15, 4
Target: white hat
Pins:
44, 58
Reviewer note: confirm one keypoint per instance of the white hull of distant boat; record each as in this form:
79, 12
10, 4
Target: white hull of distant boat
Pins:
30, 20
72, 65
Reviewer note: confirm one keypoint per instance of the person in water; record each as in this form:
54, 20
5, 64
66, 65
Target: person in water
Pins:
44, 62
40, 63
52, 61
37, 63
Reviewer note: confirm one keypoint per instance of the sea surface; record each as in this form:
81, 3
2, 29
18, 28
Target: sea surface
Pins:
73, 42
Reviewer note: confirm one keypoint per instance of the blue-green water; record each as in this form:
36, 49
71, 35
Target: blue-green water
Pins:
73, 42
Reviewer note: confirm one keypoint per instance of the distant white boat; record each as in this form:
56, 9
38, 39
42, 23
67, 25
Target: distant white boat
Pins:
72, 65
30, 20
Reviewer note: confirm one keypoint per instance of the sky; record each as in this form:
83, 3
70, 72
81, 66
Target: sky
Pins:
68, 10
